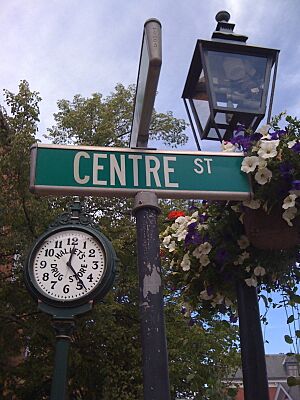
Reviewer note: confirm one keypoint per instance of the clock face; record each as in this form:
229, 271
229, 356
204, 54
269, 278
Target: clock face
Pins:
68, 265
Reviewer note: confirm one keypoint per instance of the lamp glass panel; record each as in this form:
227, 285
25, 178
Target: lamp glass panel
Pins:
236, 80
202, 110
213, 135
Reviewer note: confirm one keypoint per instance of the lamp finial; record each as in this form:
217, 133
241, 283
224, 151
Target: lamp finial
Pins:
222, 16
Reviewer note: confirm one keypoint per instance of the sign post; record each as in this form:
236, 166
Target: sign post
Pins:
147, 81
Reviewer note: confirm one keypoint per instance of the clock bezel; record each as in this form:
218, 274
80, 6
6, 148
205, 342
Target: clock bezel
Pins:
96, 293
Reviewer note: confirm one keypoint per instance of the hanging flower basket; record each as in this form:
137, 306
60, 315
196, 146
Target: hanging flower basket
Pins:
269, 231
217, 244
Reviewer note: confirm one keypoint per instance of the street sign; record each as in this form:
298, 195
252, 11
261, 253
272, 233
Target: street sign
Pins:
119, 172
147, 81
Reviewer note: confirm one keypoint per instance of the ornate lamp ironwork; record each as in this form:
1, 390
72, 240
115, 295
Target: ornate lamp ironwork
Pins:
228, 81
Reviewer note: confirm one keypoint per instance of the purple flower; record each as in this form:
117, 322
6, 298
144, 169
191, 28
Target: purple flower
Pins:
203, 218
192, 226
221, 256
296, 147
296, 185
193, 237
192, 206
233, 318
286, 170
242, 141
277, 134
254, 137
222, 308
209, 291
240, 128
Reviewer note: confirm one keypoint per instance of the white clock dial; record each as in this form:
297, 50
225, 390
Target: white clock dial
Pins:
68, 265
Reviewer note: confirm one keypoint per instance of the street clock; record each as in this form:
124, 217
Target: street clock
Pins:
70, 264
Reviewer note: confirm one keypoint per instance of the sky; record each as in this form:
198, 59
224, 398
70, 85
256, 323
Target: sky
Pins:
66, 47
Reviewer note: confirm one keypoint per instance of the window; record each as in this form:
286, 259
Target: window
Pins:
292, 370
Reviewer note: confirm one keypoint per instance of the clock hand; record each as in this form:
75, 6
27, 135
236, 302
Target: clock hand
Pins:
73, 270
71, 255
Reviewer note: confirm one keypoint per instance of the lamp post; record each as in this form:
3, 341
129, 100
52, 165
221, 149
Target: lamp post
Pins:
227, 85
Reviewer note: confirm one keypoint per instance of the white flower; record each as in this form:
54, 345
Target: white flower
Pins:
195, 214
249, 164
205, 296
268, 148
291, 143
254, 204
264, 131
167, 240
236, 208
289, 214
262, 163
228, 146
205, 248
243, 242
218, 299
172, 246
228, 302
247, 269
186, 262
181, 234
251, 281
204, 260
259, 271
197, 252
241, 258
180, 225
180, 220
263, 176
202, 249
289, 201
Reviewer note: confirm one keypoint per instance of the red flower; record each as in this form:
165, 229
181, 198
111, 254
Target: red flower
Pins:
175, 214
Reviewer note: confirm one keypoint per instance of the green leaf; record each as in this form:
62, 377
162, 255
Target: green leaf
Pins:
264, 299
297, 333
190, 377
295, 298
288, 339
293, 381
290, 319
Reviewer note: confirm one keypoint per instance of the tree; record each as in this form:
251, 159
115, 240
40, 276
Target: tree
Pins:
105, 358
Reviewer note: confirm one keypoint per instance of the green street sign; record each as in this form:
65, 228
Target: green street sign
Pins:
108, 171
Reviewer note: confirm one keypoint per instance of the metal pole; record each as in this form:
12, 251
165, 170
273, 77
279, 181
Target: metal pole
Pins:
154, 345
64, 330
252, 346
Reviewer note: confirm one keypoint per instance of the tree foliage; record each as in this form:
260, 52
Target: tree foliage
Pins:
105, 357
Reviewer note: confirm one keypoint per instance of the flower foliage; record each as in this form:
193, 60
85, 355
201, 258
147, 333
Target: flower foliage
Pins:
272, 160
206, 252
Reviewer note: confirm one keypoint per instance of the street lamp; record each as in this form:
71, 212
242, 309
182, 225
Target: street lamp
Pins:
228, 81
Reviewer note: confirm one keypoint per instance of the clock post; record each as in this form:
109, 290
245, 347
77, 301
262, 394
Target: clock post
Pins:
69, 268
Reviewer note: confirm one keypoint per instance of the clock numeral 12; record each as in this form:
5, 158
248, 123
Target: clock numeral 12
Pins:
72, 241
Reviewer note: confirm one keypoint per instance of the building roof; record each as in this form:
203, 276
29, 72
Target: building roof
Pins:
277, 371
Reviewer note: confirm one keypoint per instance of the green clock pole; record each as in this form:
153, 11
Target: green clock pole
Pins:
64, 330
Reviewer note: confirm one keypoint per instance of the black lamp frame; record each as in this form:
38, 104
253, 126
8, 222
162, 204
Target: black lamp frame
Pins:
248, 117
